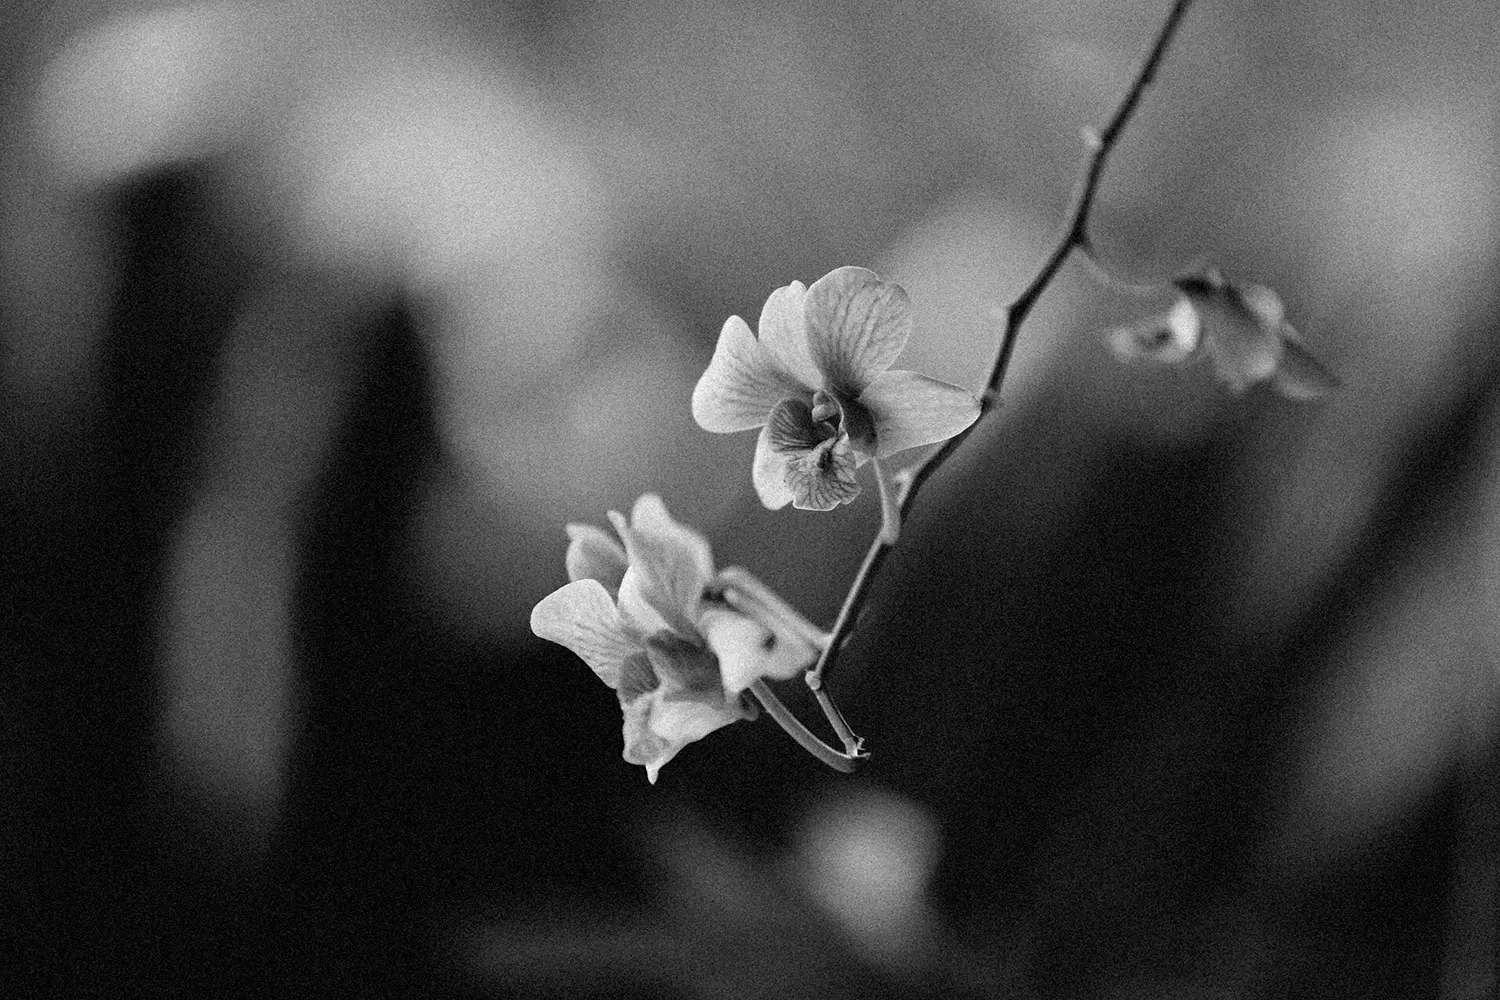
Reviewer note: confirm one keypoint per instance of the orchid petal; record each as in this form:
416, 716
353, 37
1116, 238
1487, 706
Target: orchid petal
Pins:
669, 563
1263, 303
741, 384
642, 745
782, 334
911, 409
640, 606
791, 427
769, 473
689, 719
657, 726
856, 327
677, 697
593, 555
1244, 352
823, 478
819, 464
749, 650
687, 668
637, 676
581, 616
1165, 339
1244, 347
1300, 376
681, 546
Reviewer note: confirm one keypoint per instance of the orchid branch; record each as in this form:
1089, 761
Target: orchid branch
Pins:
1075, 237
890, 505
805, 738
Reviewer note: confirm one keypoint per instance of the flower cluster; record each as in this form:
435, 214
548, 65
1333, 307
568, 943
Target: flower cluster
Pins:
1239, 326
678, 642
815, 381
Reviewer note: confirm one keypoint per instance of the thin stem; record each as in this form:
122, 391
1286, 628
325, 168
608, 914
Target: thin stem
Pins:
854, 747
747, 595
1075, 235
797, 731
890, 507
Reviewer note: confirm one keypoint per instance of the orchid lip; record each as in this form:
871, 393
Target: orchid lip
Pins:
851, 418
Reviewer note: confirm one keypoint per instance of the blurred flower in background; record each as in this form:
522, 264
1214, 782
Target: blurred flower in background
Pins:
868, 859
1240, 327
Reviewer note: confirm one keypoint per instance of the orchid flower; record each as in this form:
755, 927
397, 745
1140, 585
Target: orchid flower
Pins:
815, 381
1240, 327
678, 642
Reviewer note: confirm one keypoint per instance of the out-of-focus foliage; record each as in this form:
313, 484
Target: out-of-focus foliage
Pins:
320, 320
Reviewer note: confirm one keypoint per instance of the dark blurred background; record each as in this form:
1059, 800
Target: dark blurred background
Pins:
320, 320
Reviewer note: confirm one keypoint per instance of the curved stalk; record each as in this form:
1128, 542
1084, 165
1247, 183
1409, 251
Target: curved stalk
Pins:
797, 731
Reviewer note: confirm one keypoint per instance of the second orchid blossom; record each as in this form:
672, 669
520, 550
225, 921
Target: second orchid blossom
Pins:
678, 642
814, 378
1240, 326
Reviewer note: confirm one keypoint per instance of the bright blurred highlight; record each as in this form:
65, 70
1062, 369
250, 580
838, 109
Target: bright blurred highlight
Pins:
869, 857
